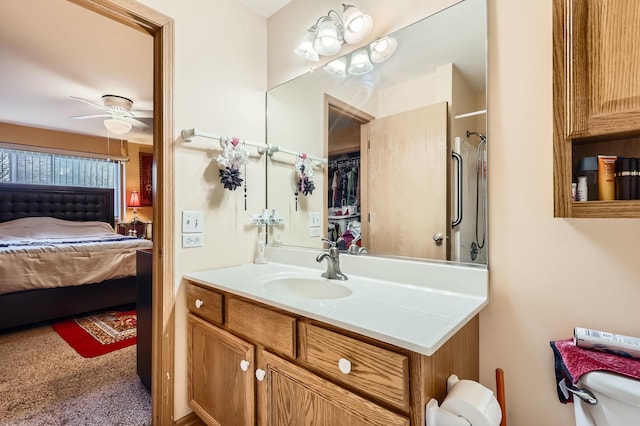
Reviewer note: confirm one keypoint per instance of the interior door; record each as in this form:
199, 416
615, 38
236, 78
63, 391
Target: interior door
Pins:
407, 209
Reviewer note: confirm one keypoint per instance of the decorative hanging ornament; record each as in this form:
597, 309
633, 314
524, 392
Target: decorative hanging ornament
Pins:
230, 178
304, 175
234, 154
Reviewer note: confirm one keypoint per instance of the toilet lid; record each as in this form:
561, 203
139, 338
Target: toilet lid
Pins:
622, 388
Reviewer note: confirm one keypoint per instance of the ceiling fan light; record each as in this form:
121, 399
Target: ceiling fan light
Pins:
305, 49
357, 25
118, 127
328, 41
383, 49
360, 63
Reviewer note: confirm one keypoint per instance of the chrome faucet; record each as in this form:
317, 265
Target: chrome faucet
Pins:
333, 261
354, 249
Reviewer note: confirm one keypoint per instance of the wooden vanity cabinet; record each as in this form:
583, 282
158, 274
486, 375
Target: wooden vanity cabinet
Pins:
300, 371
596, 95
291, 395
221, 382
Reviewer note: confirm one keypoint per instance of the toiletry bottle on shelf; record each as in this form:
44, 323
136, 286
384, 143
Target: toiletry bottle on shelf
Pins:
582, 193
260, 246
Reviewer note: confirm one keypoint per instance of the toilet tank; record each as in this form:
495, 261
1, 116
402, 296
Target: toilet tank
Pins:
618, 398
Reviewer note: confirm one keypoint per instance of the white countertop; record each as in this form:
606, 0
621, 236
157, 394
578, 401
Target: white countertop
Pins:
414, 316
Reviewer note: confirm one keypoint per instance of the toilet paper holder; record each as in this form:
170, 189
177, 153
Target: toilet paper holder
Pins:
467, 403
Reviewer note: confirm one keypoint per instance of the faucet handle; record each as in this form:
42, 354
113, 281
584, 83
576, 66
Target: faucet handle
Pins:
332, 244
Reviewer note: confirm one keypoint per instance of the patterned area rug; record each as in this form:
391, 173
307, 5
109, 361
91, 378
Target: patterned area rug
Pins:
100, 333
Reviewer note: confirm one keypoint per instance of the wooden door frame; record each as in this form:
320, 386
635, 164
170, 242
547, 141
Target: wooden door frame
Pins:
161, 28
331, 103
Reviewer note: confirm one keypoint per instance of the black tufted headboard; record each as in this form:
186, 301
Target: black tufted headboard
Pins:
62, 202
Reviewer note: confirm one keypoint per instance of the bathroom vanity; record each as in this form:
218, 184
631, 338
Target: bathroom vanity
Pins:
262, 352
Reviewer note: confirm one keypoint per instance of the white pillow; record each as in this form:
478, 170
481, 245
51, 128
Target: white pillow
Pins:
49, 227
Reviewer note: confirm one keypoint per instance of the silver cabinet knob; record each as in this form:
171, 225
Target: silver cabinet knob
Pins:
438, 237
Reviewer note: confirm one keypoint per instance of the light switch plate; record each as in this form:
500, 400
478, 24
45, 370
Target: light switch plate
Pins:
314, 219
192, 222
314, 232
192, 240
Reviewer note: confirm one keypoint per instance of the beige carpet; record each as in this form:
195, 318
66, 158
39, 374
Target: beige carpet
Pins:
43, 381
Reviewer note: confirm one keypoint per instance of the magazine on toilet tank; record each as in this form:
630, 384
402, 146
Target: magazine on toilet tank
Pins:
618, 344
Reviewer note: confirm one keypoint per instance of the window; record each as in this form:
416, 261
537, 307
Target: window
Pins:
41, 168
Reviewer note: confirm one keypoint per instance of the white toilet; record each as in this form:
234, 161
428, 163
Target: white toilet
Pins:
618, 400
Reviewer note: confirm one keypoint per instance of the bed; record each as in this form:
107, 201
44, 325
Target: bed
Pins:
60, 255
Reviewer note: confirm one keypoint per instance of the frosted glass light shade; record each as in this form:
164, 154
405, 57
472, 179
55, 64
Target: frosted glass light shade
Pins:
360, 63
382, 49
338, 66
306, 47
328, 41
119, 127
357, 25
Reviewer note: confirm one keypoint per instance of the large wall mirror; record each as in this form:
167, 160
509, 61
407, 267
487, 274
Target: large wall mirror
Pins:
402, 145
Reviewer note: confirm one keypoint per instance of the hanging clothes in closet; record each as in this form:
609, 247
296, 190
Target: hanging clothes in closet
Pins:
344, 188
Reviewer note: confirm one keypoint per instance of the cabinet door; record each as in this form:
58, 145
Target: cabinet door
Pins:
221, 383
601, 64
290, 395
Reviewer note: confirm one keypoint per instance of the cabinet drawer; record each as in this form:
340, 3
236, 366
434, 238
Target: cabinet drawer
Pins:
374, 371
274, 330
205, 303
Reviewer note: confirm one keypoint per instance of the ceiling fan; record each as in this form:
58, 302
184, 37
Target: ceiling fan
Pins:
117, 108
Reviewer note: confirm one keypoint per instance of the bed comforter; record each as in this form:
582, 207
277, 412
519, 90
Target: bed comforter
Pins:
46, 252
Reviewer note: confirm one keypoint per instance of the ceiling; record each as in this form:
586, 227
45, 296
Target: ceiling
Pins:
45, 61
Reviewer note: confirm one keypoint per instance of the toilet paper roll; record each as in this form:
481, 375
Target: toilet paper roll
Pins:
474, 402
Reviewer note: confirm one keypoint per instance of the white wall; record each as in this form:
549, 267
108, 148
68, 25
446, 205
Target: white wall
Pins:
220, 83
547, 275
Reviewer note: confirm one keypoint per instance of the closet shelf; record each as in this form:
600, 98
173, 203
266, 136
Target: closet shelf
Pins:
470, 114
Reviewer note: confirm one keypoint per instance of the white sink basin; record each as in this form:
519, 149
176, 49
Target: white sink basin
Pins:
307, 287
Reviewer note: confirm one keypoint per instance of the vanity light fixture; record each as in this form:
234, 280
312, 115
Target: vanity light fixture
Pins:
360, 63
306, 47
337, 66
382, 49
331, 31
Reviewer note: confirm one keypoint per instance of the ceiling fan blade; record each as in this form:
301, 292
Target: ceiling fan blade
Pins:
137, 123
138, 113
82, 117
87, 101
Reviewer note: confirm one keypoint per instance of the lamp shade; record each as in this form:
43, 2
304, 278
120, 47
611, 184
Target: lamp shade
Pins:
360, 63
337, 66
306, 46
382, 49
134, 199
357, 25
117, 126
328, 41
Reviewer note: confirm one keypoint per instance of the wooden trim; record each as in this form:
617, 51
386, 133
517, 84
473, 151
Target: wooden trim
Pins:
346, 109
561, 145
161, 28
190, 419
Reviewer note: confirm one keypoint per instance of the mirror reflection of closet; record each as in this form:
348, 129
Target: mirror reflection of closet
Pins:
345, 173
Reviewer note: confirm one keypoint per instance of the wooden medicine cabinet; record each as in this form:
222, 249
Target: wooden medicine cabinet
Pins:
596, 96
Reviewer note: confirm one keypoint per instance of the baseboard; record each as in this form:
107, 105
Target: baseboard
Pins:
189, 420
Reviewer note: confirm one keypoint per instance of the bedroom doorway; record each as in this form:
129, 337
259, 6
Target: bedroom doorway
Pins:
160, 27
